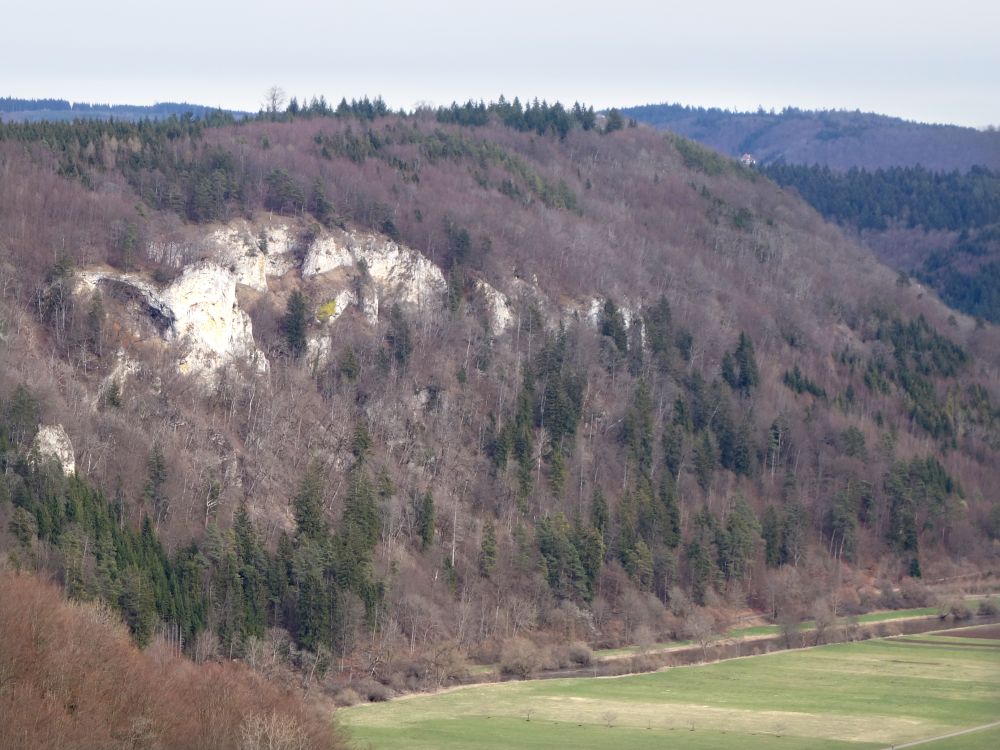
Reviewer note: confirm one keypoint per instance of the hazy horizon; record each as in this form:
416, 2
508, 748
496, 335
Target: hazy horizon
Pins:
908, 60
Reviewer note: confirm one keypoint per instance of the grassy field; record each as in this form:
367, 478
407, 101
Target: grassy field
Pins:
871, 694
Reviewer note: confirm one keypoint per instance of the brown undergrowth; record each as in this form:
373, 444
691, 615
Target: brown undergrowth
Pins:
71, 677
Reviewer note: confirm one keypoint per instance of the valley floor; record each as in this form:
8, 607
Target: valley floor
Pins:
871, 694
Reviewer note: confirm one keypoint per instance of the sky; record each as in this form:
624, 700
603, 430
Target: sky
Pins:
926, 61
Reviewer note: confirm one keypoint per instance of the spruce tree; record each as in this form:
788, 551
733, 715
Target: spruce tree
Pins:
425, 520
488, 550
293, 324
308, 505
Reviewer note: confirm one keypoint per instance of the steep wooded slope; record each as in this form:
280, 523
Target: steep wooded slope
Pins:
517, 382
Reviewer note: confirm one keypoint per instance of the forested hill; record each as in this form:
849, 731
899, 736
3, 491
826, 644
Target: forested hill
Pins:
367, 394
36, 110
941, 227
838, 139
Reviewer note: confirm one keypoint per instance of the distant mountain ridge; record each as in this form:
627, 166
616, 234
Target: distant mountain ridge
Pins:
838, 139
36, 110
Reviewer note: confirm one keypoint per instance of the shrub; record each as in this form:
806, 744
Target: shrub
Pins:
580, 654
326, 311
915, 594
520, 657
66, 664
989, 608
346, 697
955, 610
372, 690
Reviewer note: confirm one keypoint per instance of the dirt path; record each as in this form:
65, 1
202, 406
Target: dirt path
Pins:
943, 736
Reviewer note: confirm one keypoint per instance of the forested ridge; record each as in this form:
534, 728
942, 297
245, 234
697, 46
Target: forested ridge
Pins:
839, 139
960, 210
705, 399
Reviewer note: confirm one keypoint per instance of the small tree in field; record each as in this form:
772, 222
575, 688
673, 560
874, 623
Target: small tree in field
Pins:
700, 627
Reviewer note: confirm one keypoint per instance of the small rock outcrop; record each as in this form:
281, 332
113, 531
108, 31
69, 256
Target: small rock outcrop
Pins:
53, 444
498, 310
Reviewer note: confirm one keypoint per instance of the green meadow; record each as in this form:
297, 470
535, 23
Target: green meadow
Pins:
870, 694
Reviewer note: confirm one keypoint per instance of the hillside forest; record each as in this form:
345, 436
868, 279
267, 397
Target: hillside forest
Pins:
942, 228
703, 399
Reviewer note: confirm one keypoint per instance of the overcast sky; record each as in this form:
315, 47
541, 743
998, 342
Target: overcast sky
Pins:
929, 61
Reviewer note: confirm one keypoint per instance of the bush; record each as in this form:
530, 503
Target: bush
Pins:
916, 594
520, 657
954, 611
371, 690
580, 654
989, 608
346, 697
66, 663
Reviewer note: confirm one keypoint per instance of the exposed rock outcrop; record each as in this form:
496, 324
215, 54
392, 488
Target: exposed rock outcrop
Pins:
199, 310
337, 305
208, 320
398, 272
498, 310
253, 254
53, 444
115, 382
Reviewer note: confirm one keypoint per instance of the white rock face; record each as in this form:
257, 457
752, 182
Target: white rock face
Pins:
199, 310
497, 308
346, 298
398, 272
328, 253
253, 254
52, 443
318, 350
208, 320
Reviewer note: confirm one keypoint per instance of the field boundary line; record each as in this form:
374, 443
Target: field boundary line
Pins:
943, 736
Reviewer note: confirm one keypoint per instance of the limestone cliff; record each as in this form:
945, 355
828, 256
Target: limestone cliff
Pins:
198, 310
252, 253
397, 272
208, 320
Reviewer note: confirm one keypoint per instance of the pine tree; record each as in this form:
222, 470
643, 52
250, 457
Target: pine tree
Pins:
613, 325
361, 442
398, 336
670, 515
319, 205
739, 541
252, 572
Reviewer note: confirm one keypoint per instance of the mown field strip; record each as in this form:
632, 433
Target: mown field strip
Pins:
871, 694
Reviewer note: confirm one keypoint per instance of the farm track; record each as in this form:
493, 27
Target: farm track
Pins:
943, 736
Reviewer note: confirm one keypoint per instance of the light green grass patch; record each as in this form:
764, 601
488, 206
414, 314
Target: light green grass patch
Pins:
868, 694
